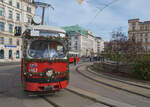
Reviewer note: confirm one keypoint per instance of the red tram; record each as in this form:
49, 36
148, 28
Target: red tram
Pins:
44, 66
73, 56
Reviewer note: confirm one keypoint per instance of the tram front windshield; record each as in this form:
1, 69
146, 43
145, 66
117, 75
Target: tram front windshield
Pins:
46, 49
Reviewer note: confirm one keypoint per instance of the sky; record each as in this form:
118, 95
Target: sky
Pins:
88, 15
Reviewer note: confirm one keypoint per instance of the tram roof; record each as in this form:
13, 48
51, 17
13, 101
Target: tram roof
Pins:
47, 28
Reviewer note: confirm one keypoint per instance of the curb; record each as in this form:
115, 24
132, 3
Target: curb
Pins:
119, 80
110, 85
12, 63
100, 99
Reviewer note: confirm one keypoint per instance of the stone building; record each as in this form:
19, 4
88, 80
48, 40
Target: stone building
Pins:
140, 32
13, 13
83, 41
100, 45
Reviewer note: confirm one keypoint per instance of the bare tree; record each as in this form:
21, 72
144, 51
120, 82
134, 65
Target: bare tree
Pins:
121, 49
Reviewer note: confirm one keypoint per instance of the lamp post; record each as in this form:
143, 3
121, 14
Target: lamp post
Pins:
43, 6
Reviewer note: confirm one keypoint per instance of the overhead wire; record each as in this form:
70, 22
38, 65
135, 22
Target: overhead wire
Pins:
101, 9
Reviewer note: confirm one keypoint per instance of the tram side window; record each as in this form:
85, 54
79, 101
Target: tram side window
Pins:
1, 54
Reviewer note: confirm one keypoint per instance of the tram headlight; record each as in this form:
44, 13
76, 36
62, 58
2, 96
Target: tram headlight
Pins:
49, 73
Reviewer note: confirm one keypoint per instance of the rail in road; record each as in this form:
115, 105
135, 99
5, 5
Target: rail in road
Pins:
12, 94
70, 98
140, 90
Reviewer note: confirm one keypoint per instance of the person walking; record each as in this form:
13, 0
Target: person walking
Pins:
75, 61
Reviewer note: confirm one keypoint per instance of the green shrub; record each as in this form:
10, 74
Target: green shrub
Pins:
141, 68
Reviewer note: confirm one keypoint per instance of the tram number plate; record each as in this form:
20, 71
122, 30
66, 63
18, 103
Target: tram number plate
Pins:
48, 88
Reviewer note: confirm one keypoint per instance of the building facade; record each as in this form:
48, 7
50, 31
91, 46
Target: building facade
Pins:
100, 45
83, 41
140, 32
13, 13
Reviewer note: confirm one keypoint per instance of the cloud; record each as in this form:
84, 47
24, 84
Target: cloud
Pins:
69, 12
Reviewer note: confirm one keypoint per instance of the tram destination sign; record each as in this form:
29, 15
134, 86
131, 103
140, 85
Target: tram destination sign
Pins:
35, 32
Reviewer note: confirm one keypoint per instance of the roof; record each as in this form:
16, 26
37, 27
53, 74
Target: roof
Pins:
75, 29
47, 28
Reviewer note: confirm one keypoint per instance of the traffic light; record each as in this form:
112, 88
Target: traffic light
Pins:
18, 31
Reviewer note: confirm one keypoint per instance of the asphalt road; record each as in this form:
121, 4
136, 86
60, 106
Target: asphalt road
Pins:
81, 82
12, 94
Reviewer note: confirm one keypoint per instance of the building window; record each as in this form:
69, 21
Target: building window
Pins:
2, 54
133, 26
1, 11
76, 43
10, 54
10, 41
146, 40
18, 5
17, 54
18, 43
146, 35
141, 37
76, 47
69, 43
146, 27
29, 20
133, 37
70, 48
146, 47
1, 40
29, 9
10, 28
75, 37
17, 17
2, 26
10, 15
10, 2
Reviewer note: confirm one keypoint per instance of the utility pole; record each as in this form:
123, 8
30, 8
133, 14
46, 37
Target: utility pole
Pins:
43, 6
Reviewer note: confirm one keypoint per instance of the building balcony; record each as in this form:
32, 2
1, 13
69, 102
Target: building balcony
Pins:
10, 20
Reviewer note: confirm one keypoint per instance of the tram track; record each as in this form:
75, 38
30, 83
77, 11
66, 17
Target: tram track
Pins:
131, 88
118, 80
50, 102
54, 99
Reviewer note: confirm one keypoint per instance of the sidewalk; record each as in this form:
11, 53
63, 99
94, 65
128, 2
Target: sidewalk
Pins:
9, 63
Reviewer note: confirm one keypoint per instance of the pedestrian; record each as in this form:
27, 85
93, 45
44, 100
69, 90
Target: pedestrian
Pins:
75, 61
90, 59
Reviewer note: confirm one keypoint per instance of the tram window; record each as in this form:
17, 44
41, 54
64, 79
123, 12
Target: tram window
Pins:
69, 55
46, 49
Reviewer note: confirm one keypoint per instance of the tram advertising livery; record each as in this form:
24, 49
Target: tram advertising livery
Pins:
44, 65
